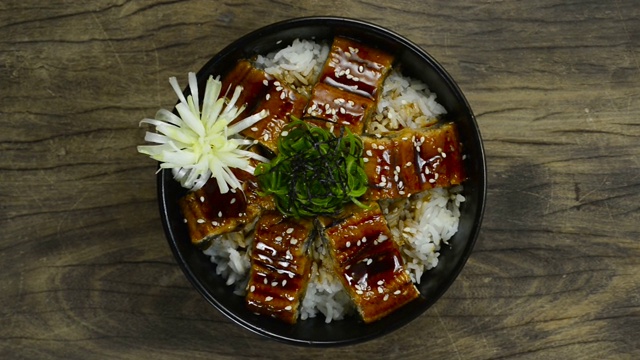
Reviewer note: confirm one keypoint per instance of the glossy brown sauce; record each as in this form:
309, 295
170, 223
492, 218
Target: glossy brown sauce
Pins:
411, 161
337, 108
356, 68
280, 266
281, 102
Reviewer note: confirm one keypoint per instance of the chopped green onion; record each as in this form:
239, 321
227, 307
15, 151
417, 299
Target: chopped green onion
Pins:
315, 172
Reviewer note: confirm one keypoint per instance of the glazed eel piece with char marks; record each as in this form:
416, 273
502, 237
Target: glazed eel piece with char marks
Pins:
409, 161
208, 213
367, 261
262, 92
348, 87
280, 266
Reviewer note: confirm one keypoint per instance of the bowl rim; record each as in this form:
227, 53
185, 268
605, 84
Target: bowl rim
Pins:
165, 175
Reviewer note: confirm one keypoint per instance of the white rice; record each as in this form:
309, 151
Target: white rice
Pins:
325, 293
297, 65
420, 224
404, 102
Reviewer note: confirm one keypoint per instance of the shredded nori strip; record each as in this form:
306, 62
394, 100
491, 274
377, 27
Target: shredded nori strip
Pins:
315, 172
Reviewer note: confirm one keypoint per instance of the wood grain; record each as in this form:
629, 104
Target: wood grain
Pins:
86, 271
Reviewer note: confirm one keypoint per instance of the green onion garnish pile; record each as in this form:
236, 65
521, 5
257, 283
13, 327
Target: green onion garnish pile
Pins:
315, 172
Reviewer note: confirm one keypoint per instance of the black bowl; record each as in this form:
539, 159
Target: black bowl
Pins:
416, 63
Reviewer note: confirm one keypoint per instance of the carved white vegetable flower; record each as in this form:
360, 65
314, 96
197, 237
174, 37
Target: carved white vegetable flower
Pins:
198, 146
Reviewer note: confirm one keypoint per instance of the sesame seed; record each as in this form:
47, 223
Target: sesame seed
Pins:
219, 213
288, 308
268, 298
369, 261
268, 96
265, 137
200, 221
278, 238
293, 241
201, 199
397, 292
275, 283
365, 160
252, 288
343, 111
265, 281
432, 181
380, 289
361, 68
214, 223
374, 146
444, 155
364, 239
276, 83
359, 292
289, 230
386, 297
369, 153
232, 201
348, 244
408, 164
380, 282
265, 82
284, 282
282, 95
184, 220
284, 133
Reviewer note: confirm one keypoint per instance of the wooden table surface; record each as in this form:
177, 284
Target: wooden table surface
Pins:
86, 271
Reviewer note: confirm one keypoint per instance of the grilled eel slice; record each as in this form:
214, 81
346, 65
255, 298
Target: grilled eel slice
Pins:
356, 68
280, 266
208, 213
409, 161
282, 102
347, 89
367, 261
262, 92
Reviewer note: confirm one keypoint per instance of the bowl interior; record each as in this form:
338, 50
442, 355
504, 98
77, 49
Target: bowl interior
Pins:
414, 62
